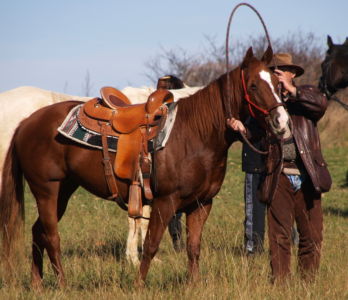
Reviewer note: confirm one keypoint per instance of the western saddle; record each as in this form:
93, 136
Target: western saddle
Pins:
134, 126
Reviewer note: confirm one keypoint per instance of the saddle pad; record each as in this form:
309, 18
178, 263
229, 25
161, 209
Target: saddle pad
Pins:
73, 130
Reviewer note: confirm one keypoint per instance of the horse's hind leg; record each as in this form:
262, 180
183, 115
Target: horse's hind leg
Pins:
136, 226
132, 241
195, 220
175, 231
51, 206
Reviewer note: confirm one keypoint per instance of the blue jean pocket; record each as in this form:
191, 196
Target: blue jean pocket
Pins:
296, 181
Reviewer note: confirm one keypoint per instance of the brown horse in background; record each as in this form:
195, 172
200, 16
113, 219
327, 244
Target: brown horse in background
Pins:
189, 170
334, 68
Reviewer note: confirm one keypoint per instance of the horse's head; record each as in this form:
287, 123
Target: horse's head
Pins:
170, 82
334, 68
260, 92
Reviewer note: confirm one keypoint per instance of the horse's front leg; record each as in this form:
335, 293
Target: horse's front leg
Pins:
195, 220
160, 216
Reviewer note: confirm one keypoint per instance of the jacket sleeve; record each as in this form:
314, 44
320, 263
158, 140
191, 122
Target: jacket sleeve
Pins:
309, 101
255, 133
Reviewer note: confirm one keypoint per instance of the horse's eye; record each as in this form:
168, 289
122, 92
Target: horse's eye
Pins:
253, 87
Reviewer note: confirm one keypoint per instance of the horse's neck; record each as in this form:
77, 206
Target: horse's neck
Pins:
236, 91
203, 114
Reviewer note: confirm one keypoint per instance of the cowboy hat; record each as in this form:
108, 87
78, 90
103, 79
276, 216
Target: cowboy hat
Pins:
284, 60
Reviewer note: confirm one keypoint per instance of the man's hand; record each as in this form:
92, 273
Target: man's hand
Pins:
236, 125
285, 78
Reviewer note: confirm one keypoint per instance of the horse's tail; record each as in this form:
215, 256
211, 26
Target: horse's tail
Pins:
11, 200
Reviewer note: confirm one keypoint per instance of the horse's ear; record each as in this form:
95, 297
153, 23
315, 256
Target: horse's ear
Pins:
346, 42
329, 41
268, 55
249, 54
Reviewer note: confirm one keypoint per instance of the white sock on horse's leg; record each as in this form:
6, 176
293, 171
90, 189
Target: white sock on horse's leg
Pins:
132, 242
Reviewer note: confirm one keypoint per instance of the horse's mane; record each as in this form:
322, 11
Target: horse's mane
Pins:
204, 111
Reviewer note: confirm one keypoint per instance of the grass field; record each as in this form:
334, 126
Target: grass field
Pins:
93, 236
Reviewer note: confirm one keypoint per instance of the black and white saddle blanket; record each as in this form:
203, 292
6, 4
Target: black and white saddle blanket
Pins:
72, 129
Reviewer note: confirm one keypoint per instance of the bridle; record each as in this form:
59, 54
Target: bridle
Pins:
247, 97
330, 95
251, 104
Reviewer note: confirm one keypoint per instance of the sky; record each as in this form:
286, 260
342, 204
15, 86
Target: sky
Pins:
52, 44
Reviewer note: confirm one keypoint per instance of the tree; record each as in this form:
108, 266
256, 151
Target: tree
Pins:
201, 68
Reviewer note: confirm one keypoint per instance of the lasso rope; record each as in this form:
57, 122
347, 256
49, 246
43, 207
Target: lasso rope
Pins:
227, 103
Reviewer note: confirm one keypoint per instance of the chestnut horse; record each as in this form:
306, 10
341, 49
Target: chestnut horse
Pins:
189, 170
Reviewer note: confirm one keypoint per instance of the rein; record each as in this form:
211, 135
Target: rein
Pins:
246, 95
331, 95
338, 100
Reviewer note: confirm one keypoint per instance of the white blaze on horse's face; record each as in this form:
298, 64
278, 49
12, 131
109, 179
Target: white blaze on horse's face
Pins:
281, 117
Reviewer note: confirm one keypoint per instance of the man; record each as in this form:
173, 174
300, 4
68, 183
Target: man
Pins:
296, 175
253, 165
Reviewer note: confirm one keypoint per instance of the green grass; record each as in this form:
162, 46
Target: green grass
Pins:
93, 236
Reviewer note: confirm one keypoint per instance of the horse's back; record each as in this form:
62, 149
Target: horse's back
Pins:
50, 115
19, 103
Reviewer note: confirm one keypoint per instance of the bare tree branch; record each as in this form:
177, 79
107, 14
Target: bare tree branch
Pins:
201, 68
87, 85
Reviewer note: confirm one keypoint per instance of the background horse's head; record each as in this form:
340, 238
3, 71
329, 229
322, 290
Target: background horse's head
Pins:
334, 68
261, 93
170, 82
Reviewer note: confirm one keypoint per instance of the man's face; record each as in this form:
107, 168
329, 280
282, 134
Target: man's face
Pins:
285, 77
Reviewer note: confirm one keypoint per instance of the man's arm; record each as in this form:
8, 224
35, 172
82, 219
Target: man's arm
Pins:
251, 130
309, 101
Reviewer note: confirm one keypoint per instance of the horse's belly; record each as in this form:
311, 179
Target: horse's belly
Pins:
191, 179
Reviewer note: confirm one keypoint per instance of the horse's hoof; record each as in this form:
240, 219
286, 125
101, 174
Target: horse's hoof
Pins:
157, 260
133, 260
139, 284
37, 287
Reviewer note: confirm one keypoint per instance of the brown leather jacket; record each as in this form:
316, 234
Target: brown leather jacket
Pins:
305, 110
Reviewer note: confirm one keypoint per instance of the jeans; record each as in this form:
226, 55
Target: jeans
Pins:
254, 222
296, 181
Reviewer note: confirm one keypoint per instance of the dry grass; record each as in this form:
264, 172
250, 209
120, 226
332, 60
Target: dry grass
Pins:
334, 124
93, 237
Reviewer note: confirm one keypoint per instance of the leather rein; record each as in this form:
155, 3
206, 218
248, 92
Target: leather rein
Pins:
247, 97
331, 95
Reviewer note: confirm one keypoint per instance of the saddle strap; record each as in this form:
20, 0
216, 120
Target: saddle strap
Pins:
145, 163
108, 171
146, 172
